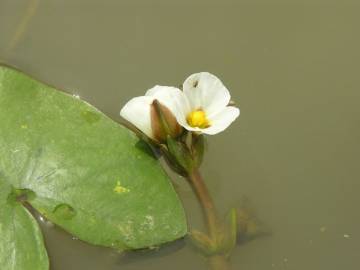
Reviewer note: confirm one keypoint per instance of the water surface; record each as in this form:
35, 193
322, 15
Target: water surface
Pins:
293, 68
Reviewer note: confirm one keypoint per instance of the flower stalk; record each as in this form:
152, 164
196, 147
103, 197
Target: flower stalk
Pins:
216, 244
207, 204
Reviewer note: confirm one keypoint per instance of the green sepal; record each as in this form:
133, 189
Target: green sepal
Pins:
171, 161
180, 154
198, 149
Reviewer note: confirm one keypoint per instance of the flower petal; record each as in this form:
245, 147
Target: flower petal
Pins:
222, 120
205, 91
173, 98
137, 112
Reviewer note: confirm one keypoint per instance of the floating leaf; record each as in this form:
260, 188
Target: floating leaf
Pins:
83, 171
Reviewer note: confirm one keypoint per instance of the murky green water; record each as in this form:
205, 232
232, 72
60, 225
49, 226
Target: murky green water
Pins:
292, 66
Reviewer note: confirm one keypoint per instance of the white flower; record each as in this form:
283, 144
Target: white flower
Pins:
202, 106
208, 111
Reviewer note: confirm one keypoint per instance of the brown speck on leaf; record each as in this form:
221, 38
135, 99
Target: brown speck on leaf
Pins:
195, 84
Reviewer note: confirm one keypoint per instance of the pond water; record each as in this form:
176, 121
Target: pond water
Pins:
293, 68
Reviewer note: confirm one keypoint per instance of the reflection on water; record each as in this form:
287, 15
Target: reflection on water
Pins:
292, 67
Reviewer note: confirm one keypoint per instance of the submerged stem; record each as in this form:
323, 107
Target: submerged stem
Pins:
207, 204
217, 261
23, 24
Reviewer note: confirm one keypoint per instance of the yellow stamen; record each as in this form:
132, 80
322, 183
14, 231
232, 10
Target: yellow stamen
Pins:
198, 119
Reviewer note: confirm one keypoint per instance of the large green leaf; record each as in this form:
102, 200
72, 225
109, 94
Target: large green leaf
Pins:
86, 173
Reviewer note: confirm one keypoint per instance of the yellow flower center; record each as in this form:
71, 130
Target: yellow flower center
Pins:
198, 119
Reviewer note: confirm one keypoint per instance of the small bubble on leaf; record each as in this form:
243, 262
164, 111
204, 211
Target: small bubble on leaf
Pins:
64, 211
90, 117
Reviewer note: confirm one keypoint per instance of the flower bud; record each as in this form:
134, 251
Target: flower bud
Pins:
163, 122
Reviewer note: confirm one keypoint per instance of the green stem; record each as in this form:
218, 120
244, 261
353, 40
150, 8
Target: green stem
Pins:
217, 261
207, 204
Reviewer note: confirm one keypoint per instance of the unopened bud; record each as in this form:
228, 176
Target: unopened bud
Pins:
163, 122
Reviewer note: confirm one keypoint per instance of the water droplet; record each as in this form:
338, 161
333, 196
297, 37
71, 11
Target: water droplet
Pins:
90, 117
64, 211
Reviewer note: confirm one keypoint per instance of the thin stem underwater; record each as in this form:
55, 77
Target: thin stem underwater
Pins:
23, 24
217, 261
207, 204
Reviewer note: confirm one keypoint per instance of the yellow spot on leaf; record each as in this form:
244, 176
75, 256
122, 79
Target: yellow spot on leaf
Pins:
120, 189
24, 126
